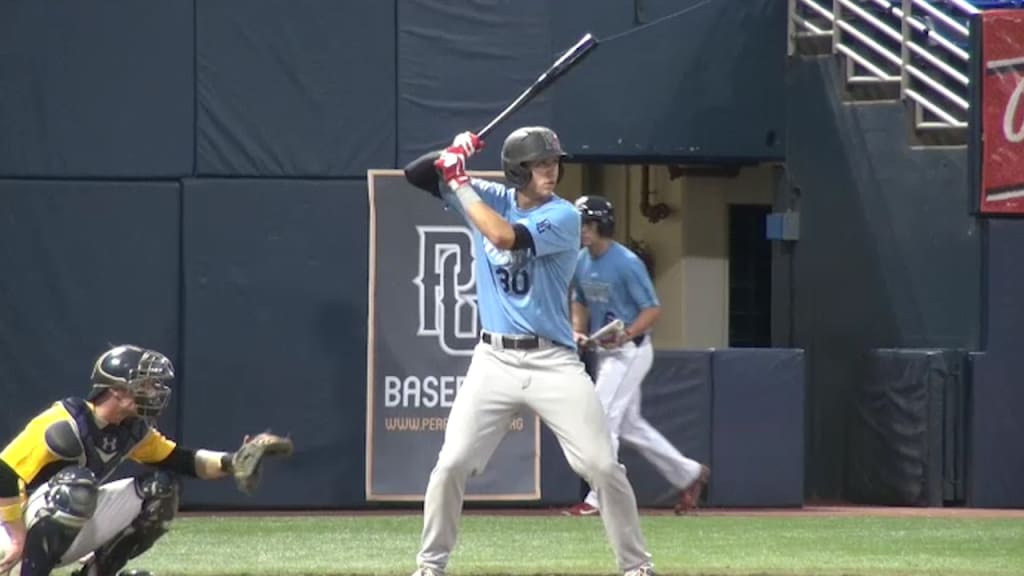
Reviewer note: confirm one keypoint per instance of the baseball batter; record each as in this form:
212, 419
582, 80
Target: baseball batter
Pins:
612, 283
526, 238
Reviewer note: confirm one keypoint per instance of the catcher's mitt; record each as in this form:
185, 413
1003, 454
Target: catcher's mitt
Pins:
246, 461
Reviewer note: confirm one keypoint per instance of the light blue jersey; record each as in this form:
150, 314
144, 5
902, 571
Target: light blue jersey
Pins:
526, 292
615, 285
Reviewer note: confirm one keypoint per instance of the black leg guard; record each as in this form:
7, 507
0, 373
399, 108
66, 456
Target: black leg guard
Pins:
45, 543
56, 516
159, 492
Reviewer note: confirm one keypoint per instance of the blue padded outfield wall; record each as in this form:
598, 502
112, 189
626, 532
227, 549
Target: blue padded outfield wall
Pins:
73, 285
680, 89
888, 256
96, 89
191, 176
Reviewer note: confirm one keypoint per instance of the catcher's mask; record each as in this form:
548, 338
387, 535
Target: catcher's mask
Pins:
141, 372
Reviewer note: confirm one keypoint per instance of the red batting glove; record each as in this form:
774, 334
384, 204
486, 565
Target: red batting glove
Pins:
469, 142
452, 164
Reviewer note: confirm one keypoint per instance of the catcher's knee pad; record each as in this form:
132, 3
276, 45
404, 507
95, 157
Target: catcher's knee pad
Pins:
55, 517
159, 493
129, 543
69, 498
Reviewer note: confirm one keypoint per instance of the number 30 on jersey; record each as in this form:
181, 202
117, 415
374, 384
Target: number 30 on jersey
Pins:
517, 282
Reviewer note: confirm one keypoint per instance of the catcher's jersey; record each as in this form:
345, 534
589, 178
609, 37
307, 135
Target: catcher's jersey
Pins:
527, 291
615, 285
103, 448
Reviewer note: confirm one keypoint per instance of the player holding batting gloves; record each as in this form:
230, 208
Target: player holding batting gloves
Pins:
613, 284
526, 239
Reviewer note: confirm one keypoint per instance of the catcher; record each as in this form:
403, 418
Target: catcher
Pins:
56, 503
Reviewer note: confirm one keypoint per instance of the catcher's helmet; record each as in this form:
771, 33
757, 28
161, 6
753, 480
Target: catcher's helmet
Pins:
142, 372
597, 209
528, 144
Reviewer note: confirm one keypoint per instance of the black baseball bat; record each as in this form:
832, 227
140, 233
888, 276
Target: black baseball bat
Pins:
421, 172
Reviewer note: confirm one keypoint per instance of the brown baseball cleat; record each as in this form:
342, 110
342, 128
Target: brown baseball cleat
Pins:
689, 497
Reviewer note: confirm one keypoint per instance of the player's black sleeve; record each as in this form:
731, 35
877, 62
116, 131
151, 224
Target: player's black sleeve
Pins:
180, 460
8, 481
524, 240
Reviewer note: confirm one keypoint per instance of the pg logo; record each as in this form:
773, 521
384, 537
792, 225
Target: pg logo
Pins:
447, 288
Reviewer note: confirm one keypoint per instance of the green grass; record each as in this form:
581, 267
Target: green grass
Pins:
862, 546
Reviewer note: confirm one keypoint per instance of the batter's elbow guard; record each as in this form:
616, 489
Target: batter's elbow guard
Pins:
422, 174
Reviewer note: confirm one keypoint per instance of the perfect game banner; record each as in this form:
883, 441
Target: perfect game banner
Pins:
423, 326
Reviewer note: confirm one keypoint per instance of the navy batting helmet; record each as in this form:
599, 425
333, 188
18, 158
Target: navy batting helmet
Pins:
597, 209
528, 144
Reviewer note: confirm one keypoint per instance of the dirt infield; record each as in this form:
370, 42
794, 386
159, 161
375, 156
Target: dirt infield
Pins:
883, 511
806, 511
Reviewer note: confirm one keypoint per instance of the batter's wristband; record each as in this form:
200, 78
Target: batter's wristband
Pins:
10, 513
467, 195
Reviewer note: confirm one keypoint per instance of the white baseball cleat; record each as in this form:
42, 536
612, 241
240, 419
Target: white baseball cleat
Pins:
427, 572
645, 570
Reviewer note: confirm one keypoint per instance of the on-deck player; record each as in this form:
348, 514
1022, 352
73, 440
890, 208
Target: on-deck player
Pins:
612, 283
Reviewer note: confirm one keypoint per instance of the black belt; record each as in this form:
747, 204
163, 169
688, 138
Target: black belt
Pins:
512, 342
639, 339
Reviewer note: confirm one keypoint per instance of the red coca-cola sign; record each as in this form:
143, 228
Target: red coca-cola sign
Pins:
1002, 161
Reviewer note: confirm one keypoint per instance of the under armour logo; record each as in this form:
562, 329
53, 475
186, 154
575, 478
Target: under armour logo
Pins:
447, 288
109, 443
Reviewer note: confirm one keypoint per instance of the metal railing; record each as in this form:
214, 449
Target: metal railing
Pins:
809, 20
869, 36
921, 45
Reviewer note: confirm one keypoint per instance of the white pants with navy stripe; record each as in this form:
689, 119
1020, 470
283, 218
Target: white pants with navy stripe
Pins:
620, 373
